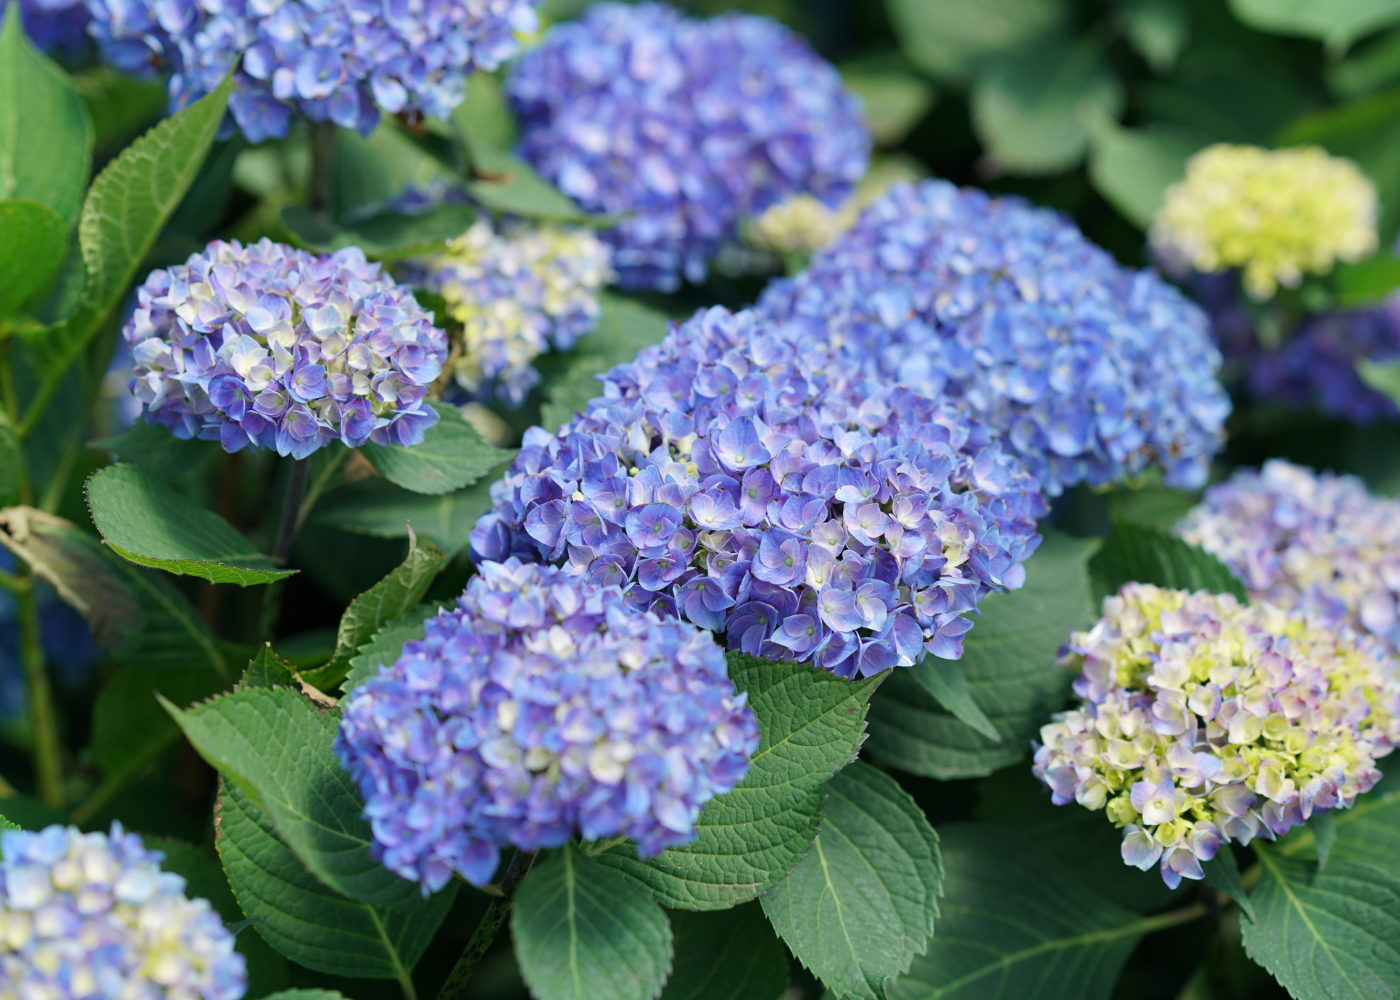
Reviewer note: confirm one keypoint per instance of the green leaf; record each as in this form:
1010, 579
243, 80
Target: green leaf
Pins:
1137, 552
45, 132
1015, 925
568, 395
10, 459
153, 447
1158, 30
1368, 69
1383, 376
1132, 168
949, 38
303, 919
1366, 282
387, 644
31, 814
1223, 872
895, 99
396, 594
1009, 665
483, 114
505, 183
129, 727
1367, 833
945, 680
1324, 827
451, 456
582, 932
1326, 935
305, 995
726, 956
7, 825
1030, 106
144, 520
377, 507
625, 326
267, 670
1336, 22
386, 236
860, 907
33, 246
275, 745
811, 724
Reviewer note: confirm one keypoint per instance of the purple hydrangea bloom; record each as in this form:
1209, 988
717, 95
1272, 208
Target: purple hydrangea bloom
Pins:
683, 127
86, 915
329, 60
740, 480
540, 708
1092, 371
57, 26
267, 346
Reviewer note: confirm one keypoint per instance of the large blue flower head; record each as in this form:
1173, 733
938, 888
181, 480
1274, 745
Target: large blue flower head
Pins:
58, 26
329, 60
737, 479
683, 127
1092, 371
540, 708
273, 347
85, 915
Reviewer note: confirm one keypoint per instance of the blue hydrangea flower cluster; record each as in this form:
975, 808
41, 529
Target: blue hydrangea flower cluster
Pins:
1093, 372
57, 26
737, 479
540, 708
268, 346
329, 60
92, 915
682, 127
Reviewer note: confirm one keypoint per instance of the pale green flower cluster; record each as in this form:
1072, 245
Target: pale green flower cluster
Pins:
1205, 721
803, 224
1275, 214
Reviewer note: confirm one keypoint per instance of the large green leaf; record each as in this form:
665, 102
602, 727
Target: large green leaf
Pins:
1132, 168
1367, 833
146, 521
732, 955
1014, 925
505, 183
45, 132
949, 38
153, 447
1009, 665
396, 594
1336, 22
275, 745
387, 644
387, 236
895, 99
1143, 554
373, 506
860, 907
811, 724
582, 932
1326, 935
33, 245
303, 919
129, 727
451, 456
568, 395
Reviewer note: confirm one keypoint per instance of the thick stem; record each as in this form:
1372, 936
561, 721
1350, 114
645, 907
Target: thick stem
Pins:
9, 398
286, 535
456, 986
48, 756
322, 167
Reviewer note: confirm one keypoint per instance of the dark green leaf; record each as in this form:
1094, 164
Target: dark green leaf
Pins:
451, 456
1366, 282
31, 814
303, 919
129, 727
373, 506
1143, 554
1009, 665
144, 520
944, 679
120, 106
387, 236
1223, 873
1367, 833
726, 956
1324, 827
811, 724
33, 245
386, 645
582, 932
275, 745
860, 907
1157, 29
1366, 68
267, 670
1132, 168
1336, 22
305, 995
153, 447
505, 183
949, 38
10, 459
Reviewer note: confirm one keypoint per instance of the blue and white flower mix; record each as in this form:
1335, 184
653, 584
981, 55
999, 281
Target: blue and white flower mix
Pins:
1203, 721
268, 346
328, 60
1302, 539
682, 127
541, 707
1092, 371
85, 915
57, 26
516, 294
736, 478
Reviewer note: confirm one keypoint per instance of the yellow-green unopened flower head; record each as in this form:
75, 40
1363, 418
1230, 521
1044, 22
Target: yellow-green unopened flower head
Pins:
802, 224
1275, 214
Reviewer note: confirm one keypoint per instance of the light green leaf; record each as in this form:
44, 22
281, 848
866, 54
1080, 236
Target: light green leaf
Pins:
267, 670
377, 507
949, 38
1009, 665
275, 745
569, 394
303, 919
1383, 376
1366, 282
860, 907
1326, 935
1030, 107
1367, 833
624, 328
726, 956
1366, 70
451, 456
396, 594
144, 520
811, 725
33, 245
153, 447
945, 680
895, 99
10, 459
45, 132
371, 170
1158, 30
387, 644
129, 727
1336, 22
507, 184
1132, 168
483, 115
1137, 552
387, 236
7, 825
582, 932
1014, 925
1222, 872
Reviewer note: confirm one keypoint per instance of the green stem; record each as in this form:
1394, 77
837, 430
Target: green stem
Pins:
48, 757
456, 986
1172, 918
322, 167
9, 398
286, 536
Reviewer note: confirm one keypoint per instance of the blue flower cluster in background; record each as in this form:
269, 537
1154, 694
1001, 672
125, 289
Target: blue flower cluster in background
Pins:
56, 26
539, 708
682, 127
268, 346
738, 479
330, 60
1093, 372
